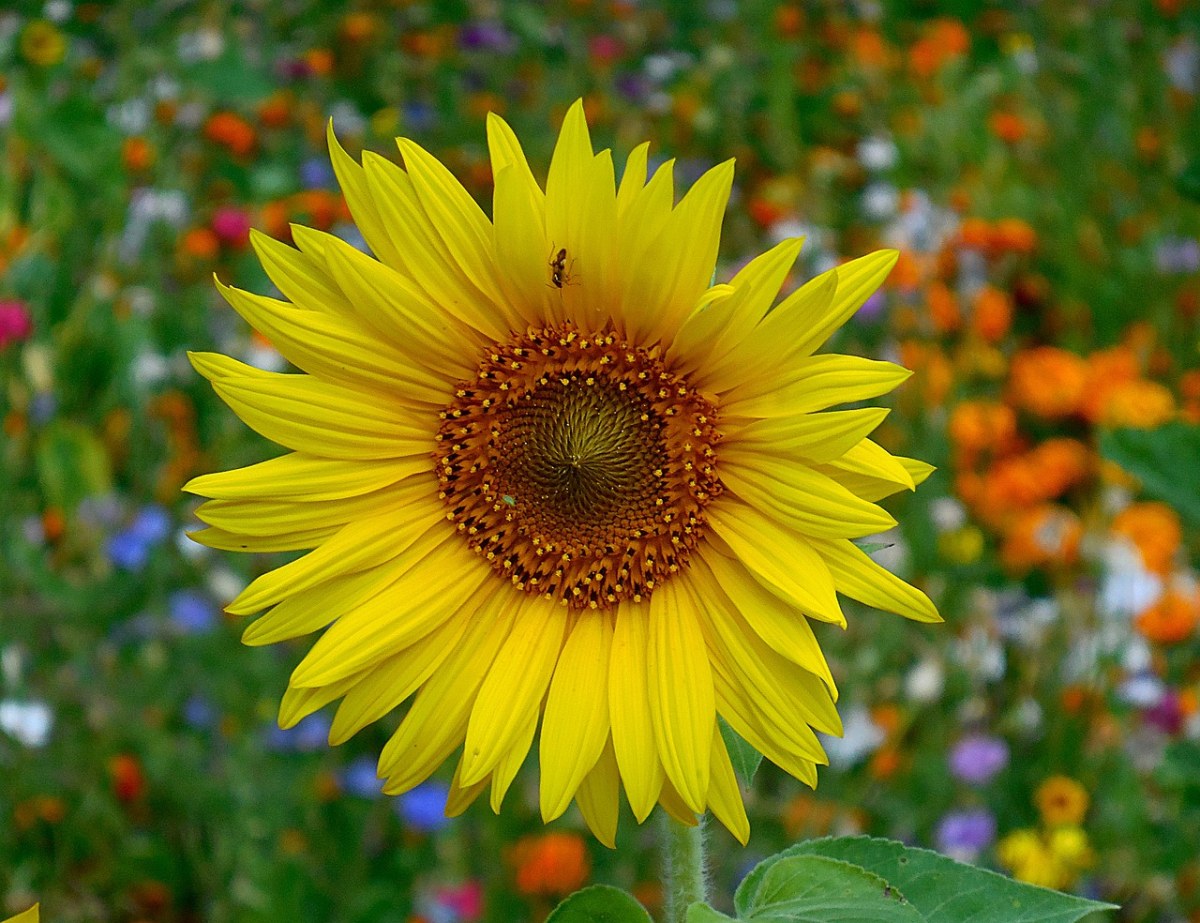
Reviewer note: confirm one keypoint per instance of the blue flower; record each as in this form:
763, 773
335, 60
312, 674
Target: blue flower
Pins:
424, 808
191, 612
127, 551
359, 778
306, 736
151, 524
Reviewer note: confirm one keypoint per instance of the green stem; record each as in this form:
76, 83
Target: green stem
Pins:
683, 867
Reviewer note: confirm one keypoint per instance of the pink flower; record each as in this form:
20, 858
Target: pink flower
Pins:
16, 324
232, 226
465, 901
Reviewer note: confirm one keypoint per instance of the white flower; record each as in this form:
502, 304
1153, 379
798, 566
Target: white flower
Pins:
28, 722
861, 737
877, 153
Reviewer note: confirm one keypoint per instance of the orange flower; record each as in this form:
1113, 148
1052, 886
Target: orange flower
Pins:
127, 779
1061, 801
1013, 235
992, 315
551, 864
1008, 127
1107, 369
1060, 463
200, 244
869, 49
1172, 619
789, 20
981, 426
943, 308
1048, 382
137, 154
319, 61
1141, 403
276, 110
1155, 530
975, 233
1040, 536
231, 131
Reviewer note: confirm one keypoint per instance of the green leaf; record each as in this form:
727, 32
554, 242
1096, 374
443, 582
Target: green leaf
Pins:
744, 757
1163, 460
815, 889
702, 913
599, 904
940, 889
872, 547
71, 464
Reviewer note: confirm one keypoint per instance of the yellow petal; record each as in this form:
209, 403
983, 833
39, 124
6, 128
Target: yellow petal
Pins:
461, 224
395, 306
681, 693
298, 704
818, 437
860, 480
599, 798
302, 277
358, 546
514, 688
322, 604
333, 349
721, 580
437, 720
460, 796
290, 541
804, 499
633, 177
724, 793
379, 689
521, 246
308, 415
866, 457
675, 806
443, 574
778, 558
716, 330
667, 276
508, 767
362, 204
300, 476
628, 703
575, 725
812, 384
861, 578
280, 517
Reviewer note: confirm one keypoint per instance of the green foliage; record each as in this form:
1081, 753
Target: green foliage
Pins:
599, 904
744, 757
1166, 460
921, 886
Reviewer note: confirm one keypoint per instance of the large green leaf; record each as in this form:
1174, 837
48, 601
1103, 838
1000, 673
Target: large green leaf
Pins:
939, 889
1163, 459
599, 904
816, 889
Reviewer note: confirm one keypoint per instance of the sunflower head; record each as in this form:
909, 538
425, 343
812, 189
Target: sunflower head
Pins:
555, 484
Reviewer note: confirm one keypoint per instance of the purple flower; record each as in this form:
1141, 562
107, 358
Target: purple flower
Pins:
424, 808
360, 778
191, 612
965, 834
872, 308
485, 36
315, 173
977, 757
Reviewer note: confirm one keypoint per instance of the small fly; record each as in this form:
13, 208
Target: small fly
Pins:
510, 500
560, 274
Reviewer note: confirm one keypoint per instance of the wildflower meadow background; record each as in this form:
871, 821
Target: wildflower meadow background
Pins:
1038, 167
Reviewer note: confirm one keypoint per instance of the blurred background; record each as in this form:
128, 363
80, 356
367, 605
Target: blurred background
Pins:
1038, 166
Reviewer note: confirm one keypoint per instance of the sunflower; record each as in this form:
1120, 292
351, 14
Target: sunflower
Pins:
554, 483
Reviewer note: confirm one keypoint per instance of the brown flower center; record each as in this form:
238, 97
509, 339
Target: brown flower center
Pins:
578, 465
